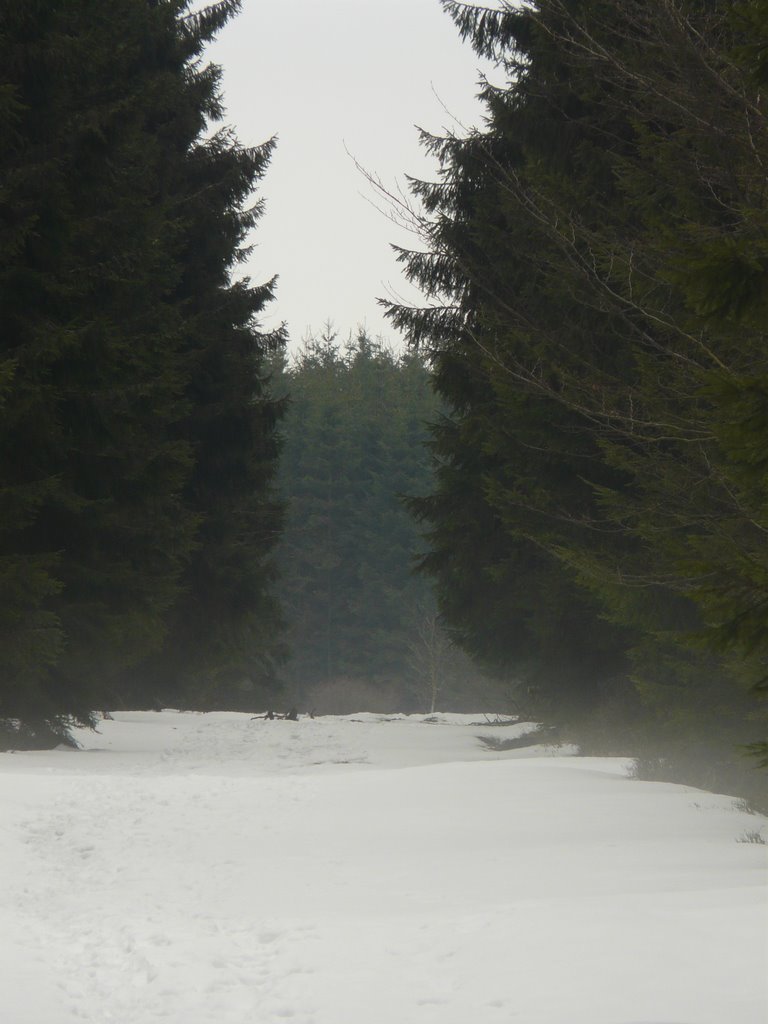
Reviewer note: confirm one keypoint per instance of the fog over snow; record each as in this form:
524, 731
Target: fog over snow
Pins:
211, 869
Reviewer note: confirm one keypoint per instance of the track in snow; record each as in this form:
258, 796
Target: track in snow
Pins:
207, 869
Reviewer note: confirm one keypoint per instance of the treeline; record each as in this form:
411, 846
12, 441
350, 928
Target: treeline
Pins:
595, 267
592, 492
362, 630
137, 435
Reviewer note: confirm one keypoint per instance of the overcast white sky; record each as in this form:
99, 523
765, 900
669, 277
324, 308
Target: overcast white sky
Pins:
323, 75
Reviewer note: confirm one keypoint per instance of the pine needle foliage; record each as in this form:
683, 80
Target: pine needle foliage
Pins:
121, 220
595, 271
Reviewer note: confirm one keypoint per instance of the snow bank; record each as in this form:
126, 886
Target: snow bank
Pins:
210, 869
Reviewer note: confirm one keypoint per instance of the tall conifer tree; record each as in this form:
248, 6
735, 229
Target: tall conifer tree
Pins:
595, 272
104, 317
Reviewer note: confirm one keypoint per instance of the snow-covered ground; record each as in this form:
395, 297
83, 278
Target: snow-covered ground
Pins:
210, 869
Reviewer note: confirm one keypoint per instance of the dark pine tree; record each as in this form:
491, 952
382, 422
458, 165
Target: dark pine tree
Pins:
104, 324
595, 272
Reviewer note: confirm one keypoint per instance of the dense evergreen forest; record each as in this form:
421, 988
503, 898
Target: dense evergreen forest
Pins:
138, 439
362, 627
595, 268
572, 452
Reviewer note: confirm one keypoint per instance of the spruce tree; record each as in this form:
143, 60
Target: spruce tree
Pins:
593, 267
223, 643
514, 465
106, 311
88, 461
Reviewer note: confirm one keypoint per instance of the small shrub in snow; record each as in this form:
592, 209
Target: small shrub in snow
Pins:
752, 836
743, 805
648, 769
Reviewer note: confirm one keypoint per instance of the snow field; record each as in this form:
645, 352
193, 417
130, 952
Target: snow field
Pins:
209, 869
